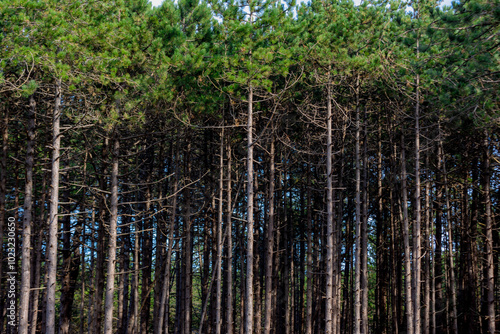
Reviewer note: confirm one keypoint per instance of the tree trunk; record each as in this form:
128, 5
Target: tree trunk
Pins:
357, 269
309, 290
270, 244
110, 284
417, 242
188, 245
229, 222
24, 300
427, 249
329, 221
218, 315
50, 323
249, 255
38, 259
364, 232
490, 273
406, 238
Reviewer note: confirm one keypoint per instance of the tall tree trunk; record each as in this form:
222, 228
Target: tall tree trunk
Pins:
229, 222
249, 255
450, 241
110, 284
329, 220
406, 238
50, 323
364, 231
395, 278
24, 300
490, 273
188, 247
134, 301
427, 249
357, 260
381, 235
309, 290
270, 244
38, 259
438, 265
218, 315
417, 242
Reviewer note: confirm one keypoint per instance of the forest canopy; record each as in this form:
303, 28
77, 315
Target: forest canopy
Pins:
249, 166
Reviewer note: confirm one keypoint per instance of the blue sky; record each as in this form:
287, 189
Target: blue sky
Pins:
158, 2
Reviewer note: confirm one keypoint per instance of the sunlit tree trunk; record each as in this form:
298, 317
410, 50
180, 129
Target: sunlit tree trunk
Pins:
50, 322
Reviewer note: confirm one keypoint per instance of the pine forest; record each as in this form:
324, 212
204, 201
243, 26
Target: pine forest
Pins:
249, 167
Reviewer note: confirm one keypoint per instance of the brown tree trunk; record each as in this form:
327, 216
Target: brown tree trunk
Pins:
50, 323
406, 238
329, 220
110, 283
229, 222
24, 300
489, 266
218, 315
357, 258
250, 232
309, 290
270, 244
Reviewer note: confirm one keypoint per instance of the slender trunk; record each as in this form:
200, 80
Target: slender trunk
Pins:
406, 238
364, 232
329, 221
250, 232
229, 220
110, 284
382, 272
38, 259
188, 249
270, 243
438, 265
132, 318
218, 315
394, 246
417, 242
427, 259
24, 299
357, 260
490, 274
50, 323
309, 291
450, 241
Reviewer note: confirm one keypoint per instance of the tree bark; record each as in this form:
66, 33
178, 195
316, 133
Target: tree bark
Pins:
218, 315
270, 244
229, 222
250, 232
24, 300
329, 221
417, 242
110, 283
406, 238
50, 323
357, 269
490, 273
